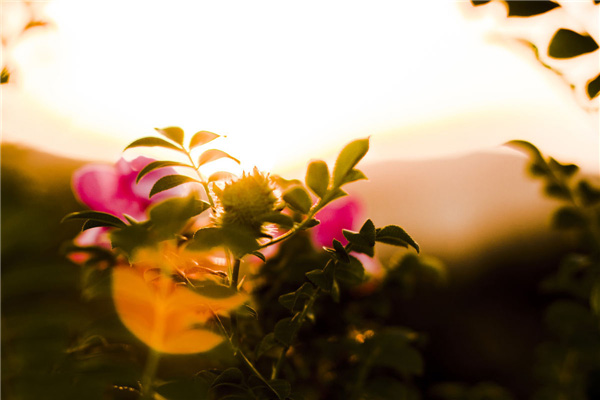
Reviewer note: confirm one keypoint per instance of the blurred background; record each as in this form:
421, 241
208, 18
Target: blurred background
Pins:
438, 86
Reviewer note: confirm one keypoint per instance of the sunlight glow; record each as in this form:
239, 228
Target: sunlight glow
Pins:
284, 81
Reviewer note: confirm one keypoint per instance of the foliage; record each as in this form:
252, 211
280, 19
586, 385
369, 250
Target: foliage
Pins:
185, 281
568, 42
569, 362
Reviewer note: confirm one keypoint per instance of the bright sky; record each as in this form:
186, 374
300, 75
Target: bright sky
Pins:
285, 81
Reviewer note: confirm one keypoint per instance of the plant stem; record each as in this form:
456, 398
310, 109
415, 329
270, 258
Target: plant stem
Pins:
149, 373
235, 273
305, 310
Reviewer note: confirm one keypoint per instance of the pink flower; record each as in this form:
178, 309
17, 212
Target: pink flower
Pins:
344, 213
112, 188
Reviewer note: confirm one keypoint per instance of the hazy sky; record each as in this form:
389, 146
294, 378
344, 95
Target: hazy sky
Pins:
286, 81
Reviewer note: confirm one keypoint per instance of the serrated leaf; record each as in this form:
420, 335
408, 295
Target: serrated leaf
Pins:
158, 164
222, 176
567, 44
348, 158
298, 199
174, 133
394, 235
317, 177
169, 182
202, 137
154, 142
568, 218
97, 216
212, 155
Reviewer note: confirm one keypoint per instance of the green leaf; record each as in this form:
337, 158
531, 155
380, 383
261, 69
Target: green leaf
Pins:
154, 142
589, 194
259, 255
354, 175
396, 236
593, 87
521, 8
221, 176
557, 190
528, 147
158, 164
173, 132
239, 241
323, 279
201, 138
206, 239
266, 344
298, 199
568, 218
214, 290
317, 177
89, 224
212, 155
352, 273
568, 44
312, 223
347, 160
295, 301
5, 77
96, 216
331, 196
280, 219
566, 170
341, 251
286, 329
363, 240
171, 216
169, 182
230, 375
131, 237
